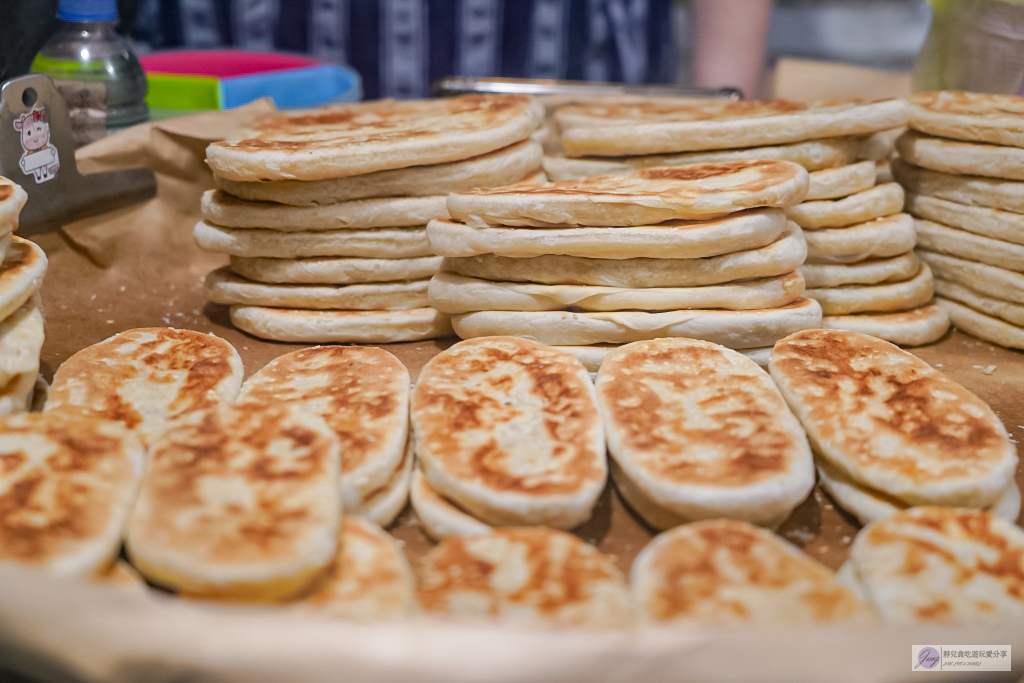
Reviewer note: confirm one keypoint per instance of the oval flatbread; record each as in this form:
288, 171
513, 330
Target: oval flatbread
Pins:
146, 377
891, 422
525, 577
978, 117
353, 139
509, 430
684, 420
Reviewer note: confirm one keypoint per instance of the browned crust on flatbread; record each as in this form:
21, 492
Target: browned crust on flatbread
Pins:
356, 389
205, 358
751, 447
310, 130
446, 403
554, 583
970, 104
232, 442
999, 561
838, 374
691, 563
45, 511
5, 192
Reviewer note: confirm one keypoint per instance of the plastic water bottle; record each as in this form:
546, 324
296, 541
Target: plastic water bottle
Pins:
86, 50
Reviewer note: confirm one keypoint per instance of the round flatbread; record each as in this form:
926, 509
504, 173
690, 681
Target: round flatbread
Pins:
1005, 195
530, 577
340, 271
451, 293
5, 244
147, 377
734, 329
932, 564
880, 238
724, 571
341, 327
682, 418
999, 225
362, 393
1004, 310
841, 181
501, 167
69, 482
872, 272
238, 502
978, 117
222, 209
740, 231
999, 283
21, 275
353, 139
879, 201
778, 258
881, 298
891, 422
983, 326
907, 328
369, 580
533, 450
224, 287
811, 154
655, 128
646, 197
966, 158
968, 245
377, 243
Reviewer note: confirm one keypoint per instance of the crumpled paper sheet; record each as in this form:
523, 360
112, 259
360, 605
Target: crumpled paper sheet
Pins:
176, 151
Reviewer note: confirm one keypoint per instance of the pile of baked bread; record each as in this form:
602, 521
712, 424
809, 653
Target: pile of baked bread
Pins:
962, 165
324, 212
703, 251
22, 267
860, 264
153, 462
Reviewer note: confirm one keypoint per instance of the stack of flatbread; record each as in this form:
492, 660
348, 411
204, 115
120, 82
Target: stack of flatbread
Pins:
962, 166
890, 432
22, 267
702, 251
323, 212
861, 268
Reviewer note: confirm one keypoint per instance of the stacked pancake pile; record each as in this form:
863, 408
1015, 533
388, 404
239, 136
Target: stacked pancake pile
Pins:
962, 166
323, 212
22, 267
861, 268
702, 251
872, 413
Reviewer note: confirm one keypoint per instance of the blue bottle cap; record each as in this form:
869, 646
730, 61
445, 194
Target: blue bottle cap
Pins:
87, 10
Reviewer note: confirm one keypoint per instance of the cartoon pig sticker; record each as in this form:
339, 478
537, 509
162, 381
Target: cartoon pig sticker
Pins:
40, 158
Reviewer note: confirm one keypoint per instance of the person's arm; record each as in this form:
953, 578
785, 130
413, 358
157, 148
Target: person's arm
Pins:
730, 43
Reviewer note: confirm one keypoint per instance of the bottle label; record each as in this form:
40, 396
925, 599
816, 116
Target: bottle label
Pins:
40, 158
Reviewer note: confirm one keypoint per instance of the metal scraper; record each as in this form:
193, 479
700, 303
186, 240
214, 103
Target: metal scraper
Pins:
37, 152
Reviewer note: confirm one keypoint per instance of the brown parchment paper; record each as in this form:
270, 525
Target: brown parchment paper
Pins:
140, 267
